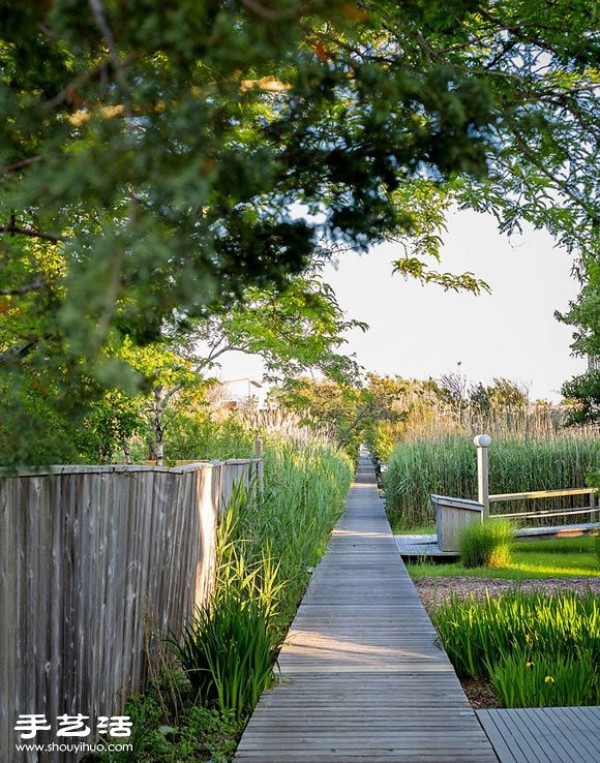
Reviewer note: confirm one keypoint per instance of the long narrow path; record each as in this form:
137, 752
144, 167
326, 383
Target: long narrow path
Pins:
363, 675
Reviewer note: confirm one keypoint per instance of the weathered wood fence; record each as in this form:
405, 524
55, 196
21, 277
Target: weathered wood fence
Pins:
94, 563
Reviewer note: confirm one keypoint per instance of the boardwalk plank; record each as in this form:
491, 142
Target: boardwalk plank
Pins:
504, 745
542, 728
544, 735
363, 678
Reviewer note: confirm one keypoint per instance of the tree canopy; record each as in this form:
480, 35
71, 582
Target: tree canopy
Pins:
160, 160
294, 330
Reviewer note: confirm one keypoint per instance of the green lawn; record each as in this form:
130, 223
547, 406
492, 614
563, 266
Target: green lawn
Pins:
563, 557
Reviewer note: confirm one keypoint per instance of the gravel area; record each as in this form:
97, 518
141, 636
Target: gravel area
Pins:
434, 590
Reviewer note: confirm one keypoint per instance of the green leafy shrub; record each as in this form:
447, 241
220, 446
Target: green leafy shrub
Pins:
487, 544
172, 735
198, 436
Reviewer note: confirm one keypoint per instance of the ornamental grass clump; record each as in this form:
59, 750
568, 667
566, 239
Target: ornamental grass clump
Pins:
229, 649
487, 544
228, 653
525, 679
502, 638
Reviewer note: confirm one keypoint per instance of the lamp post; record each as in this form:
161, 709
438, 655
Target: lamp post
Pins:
482, 442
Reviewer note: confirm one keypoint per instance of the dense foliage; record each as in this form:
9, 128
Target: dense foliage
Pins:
159, 159
583, 394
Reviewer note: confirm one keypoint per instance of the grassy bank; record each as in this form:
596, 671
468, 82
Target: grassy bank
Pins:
563, 557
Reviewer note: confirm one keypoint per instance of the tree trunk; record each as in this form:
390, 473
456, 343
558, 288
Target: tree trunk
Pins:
126, 451
158, 430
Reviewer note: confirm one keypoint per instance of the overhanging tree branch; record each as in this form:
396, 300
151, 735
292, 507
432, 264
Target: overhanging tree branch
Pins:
19, 290
19, 351
18, 230
564, 187
98, 11
20, 164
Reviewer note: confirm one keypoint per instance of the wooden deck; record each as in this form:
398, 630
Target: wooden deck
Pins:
364, 678
414, 548
544, 735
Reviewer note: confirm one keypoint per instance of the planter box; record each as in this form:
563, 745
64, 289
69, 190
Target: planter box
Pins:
453, 515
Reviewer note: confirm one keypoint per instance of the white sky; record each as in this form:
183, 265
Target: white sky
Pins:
419, 331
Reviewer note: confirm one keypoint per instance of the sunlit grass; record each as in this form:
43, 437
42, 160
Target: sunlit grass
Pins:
487, 544
563, 557
538, 650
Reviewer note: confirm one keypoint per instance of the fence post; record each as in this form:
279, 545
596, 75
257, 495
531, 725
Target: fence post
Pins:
482, 442
593, 513
258, 455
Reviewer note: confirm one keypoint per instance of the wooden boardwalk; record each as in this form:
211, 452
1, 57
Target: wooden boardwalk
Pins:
363, 676
544, 735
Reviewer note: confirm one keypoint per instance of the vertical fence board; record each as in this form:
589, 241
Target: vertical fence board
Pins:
140, 573
57, 578
9, 597
133, 510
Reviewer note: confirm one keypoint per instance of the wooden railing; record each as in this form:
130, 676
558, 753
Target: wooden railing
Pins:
482, 443
591, 508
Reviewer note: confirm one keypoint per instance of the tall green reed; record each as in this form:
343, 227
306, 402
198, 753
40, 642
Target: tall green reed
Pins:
304, 489
448, 466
